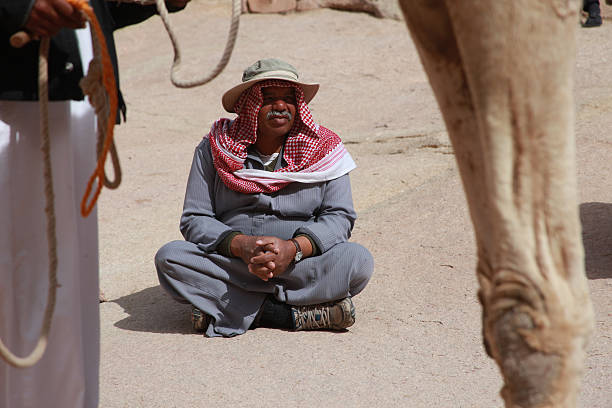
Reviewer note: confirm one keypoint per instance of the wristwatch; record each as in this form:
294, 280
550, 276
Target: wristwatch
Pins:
298, 250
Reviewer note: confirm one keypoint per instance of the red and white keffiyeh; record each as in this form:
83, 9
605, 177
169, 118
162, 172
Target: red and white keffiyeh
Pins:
313, 153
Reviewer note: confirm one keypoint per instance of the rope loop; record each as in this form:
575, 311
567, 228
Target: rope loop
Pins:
162, 10
41, 345
227, 52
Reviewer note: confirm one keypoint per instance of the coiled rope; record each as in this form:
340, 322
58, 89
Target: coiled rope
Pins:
105, 102
100, 86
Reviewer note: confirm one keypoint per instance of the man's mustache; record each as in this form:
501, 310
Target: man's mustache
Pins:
274, 113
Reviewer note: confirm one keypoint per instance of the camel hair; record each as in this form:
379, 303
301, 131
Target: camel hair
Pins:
502, 74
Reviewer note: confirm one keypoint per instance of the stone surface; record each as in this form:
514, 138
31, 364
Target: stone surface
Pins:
377, 8
271, 6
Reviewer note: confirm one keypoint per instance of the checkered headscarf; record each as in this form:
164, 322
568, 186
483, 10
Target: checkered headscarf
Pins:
313, 153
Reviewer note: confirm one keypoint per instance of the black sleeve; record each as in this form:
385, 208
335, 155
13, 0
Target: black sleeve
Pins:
13, 14
126, 14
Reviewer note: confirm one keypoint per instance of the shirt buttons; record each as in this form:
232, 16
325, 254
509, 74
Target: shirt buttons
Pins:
69, 67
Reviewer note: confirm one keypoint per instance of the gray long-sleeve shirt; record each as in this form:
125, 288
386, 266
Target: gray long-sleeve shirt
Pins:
323, 211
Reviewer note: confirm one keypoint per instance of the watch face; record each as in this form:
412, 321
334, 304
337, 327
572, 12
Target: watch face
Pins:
298, 256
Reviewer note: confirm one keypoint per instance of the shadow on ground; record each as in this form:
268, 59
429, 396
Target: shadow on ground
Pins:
597, 239
152, 310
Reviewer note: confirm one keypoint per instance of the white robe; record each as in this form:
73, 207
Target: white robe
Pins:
67, 375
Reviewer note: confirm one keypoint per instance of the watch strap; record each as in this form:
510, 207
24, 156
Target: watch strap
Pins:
298, 250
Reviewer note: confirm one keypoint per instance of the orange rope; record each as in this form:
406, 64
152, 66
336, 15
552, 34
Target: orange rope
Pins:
111, 89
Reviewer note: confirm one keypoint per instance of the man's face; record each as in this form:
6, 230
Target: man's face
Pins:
277, 113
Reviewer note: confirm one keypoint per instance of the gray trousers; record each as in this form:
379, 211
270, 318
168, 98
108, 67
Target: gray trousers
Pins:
224, 288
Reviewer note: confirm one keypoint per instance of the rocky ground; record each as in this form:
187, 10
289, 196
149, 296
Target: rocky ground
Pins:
416, 342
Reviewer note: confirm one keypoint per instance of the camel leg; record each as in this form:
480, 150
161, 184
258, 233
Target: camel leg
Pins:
502, 75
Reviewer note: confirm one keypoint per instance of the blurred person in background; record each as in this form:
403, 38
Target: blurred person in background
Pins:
591, 7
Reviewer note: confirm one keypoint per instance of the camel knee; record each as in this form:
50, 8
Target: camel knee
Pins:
536, 337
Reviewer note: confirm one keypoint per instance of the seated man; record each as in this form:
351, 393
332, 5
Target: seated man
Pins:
267, 215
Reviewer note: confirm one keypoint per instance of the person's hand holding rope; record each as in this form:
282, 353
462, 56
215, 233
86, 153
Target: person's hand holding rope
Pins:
49, 16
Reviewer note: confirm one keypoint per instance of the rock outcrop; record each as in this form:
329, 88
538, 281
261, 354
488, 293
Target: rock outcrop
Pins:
378, 8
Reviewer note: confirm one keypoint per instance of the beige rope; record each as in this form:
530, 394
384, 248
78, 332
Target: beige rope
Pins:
41, 345
227, 53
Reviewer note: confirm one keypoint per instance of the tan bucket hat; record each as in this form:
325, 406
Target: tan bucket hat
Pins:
270, 68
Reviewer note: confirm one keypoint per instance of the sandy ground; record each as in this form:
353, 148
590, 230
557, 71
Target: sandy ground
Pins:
416, 342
